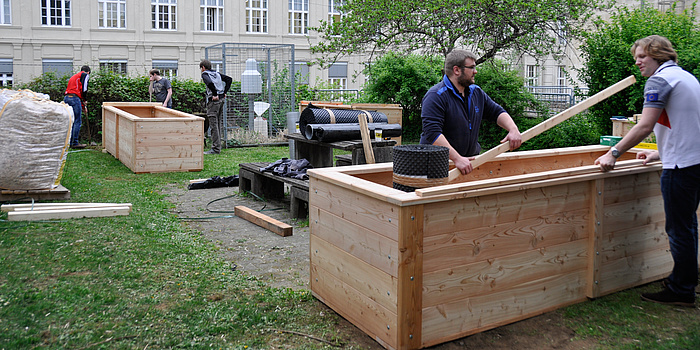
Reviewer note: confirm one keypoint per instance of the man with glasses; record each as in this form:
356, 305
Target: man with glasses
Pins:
453, 109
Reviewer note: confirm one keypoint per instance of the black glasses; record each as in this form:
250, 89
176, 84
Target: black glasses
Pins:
468, 67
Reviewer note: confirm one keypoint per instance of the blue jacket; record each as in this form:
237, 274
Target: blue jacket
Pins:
445, 112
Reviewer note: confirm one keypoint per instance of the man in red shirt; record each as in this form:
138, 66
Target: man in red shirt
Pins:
75, 96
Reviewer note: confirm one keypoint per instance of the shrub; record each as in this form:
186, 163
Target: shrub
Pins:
608, 60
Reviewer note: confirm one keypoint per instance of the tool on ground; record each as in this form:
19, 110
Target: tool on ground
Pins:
549, 123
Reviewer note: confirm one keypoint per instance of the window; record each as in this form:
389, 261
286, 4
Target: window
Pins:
256, 16
301, 73
298, 16
338, 75
561, 32
211, 13
164, 14
6, 72
55, 13
111, 13
532, 75
561, 75
59, 67
5, 13
168, 68
116, 66
334, 14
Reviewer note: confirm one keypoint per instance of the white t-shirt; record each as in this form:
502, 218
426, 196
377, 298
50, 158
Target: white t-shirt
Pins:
677, 131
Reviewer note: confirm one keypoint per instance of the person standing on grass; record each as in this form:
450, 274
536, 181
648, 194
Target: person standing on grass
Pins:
453, 109
75, 96
217, 86
672, 111
161, 88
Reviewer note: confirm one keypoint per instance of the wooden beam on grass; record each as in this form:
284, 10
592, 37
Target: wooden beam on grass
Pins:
57, 206
263, 221
34, 215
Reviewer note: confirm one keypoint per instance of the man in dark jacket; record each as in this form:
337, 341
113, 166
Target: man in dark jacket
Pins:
217, 86
453, 109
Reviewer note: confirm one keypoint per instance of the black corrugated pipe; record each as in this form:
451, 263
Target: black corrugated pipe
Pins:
347, 132
313, 115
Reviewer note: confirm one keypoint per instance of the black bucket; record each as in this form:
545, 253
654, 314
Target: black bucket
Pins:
420, 166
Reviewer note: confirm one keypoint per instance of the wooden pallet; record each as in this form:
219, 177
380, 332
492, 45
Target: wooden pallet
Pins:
59, 192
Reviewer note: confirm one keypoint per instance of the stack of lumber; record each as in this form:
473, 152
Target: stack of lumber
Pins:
46, 211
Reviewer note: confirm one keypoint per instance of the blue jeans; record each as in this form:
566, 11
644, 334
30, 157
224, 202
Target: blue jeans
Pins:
75, 102
680, 189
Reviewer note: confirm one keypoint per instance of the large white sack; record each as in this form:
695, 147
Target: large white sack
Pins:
35, 136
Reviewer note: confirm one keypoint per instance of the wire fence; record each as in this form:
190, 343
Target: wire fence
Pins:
275, 63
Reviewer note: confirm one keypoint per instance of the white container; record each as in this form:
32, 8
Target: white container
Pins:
260, 125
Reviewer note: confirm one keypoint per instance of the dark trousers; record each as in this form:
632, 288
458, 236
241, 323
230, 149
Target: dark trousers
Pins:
681, 192
215, 113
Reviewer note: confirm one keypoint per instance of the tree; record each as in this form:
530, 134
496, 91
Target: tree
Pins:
608, 59
486, 27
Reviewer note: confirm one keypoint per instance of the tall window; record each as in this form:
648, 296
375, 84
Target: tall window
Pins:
164, 14
55, 13
334, 14
5, 13
561, 75
338, 75
256, 16
111, 13
116, 66
298, 16
6, 72
211, 13
532, 75
168, 68
58, 66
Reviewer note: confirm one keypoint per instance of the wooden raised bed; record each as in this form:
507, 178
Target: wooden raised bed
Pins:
149, 138
527, 233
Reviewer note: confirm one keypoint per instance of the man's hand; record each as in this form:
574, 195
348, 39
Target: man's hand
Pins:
464, 165
606, 161
648, 156
514, 138
215, 98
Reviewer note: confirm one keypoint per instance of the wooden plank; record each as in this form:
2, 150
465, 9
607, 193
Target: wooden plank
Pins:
364, 312
356, 207
263, 220
502, 273
489, 210
634, 240
355, 273
623, 215
359, 241
34, 215
57, 193
553, 174
549, 123
366, 141
635, 270
410, 287
510, 237
633, 187
595, 237
463, 317
54, 206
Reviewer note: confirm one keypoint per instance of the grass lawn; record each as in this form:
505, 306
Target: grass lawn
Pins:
146, 281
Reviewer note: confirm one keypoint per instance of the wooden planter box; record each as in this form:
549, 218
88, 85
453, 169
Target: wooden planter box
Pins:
149, 138
525, 234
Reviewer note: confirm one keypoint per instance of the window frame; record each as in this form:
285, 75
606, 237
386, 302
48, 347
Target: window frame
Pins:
157, 15
218, 17
67, 63
103, 13
334, 15
298, 17
6, 73
166, 67
261, 17
109, 64
6, 12
532, 75
47, 9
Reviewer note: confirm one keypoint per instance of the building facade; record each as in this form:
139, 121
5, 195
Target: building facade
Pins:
135, 36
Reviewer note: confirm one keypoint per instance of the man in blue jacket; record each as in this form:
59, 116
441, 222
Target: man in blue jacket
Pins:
453, 109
